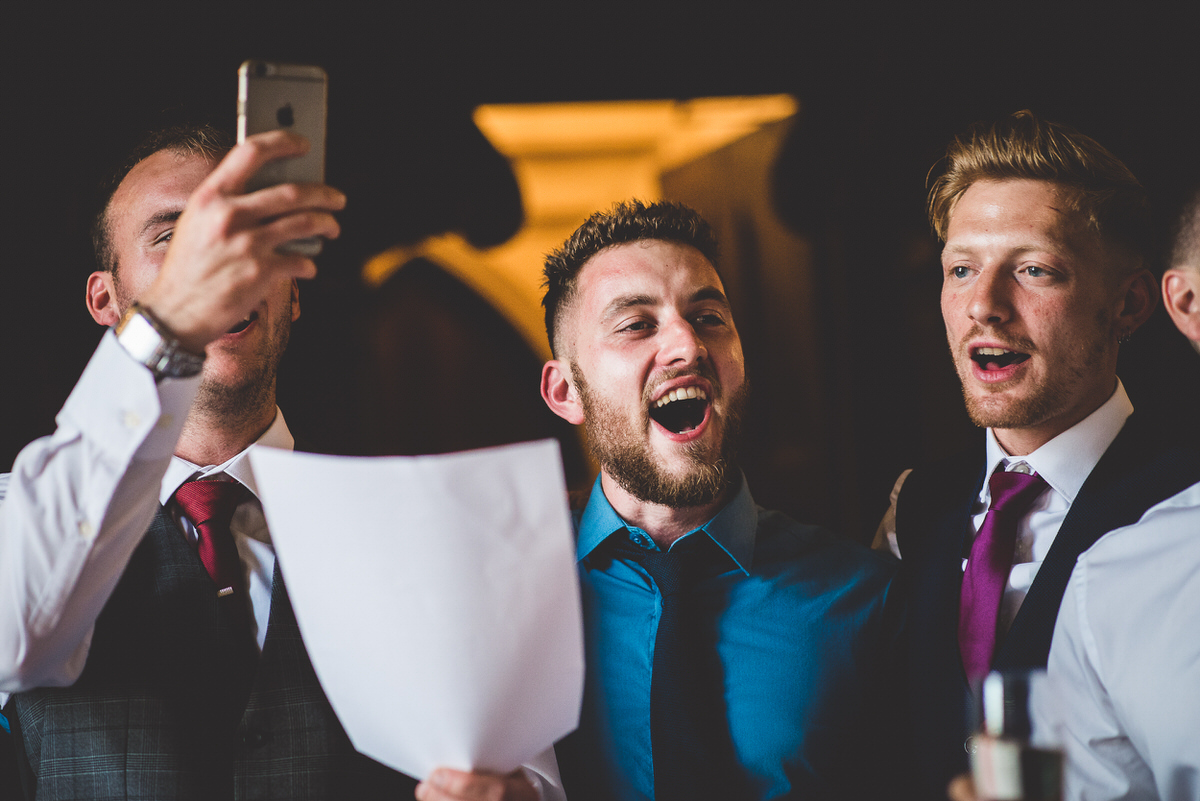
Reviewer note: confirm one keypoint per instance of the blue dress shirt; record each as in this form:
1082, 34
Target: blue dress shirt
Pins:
800, 631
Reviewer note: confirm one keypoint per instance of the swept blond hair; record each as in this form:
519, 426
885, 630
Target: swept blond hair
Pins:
1024, 146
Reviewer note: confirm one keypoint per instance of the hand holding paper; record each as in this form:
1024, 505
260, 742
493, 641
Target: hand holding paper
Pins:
445, 784
437, 598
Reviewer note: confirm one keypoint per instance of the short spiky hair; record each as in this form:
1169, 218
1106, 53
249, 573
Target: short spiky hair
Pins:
1186, 251
193, 140
1025, 146
631, 221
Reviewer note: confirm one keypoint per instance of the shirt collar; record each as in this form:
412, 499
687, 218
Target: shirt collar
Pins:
180, 470
1066, 461
732, 528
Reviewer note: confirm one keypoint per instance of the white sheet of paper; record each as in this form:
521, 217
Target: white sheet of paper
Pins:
437, 597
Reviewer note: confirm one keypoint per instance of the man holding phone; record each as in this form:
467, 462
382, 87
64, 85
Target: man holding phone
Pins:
137, 669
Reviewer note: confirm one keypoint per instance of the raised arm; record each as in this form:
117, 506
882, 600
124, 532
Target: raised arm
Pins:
79, 500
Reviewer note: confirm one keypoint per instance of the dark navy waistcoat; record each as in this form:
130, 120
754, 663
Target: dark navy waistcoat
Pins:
1141, 468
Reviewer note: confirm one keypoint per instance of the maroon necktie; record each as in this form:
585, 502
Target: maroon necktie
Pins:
210, 506
989, 565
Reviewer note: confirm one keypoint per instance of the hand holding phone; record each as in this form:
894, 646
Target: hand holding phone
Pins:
291, 97
223, 257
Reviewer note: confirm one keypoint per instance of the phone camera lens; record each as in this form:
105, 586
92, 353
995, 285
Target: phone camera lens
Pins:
260, 69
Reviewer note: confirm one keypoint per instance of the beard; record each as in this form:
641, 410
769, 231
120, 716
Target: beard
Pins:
623, 451
1044, 400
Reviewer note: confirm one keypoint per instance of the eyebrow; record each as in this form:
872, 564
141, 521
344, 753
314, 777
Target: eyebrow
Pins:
160, 218
625, 302
1032, 247
710, 293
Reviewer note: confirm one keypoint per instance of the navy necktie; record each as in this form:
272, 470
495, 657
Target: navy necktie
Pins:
689, 730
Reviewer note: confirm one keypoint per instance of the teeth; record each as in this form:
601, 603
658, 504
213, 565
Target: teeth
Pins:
991, 351
686, 393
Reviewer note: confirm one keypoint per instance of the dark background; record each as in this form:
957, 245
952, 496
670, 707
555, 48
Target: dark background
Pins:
881, 91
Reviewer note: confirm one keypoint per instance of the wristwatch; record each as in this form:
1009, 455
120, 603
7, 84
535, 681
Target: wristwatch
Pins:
149, 342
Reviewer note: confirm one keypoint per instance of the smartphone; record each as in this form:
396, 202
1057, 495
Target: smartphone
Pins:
291, 96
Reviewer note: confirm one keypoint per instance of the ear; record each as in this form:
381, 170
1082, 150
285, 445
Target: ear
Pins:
1181, 296
559, 393
295, 300
102, 298
1140, 294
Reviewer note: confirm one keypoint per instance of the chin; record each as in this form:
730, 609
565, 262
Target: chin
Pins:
1023, 412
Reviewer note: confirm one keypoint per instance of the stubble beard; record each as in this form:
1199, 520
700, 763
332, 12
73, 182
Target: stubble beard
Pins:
255, 388
624, 454
1045, 400
242, 402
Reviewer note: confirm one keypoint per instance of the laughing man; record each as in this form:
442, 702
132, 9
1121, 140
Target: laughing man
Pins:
732, 652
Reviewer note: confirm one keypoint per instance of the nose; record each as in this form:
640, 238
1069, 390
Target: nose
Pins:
989, 302
680, 344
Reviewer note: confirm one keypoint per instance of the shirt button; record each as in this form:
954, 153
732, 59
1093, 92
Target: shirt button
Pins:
86, 530
969, 745
132, 419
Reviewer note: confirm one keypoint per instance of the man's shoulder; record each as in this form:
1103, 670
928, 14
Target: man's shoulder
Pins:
1145, 442
782, 540
800, 567
935, 488
1144, 466
1166, 533
952, 470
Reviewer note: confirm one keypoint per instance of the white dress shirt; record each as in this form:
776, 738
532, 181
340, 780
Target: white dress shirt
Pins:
76, 506
1064, 462
1125, 660
86, 478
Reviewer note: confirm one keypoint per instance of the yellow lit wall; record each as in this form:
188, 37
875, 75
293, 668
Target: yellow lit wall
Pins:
572, 159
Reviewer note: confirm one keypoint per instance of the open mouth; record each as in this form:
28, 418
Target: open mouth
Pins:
997, 358
240, 327
680, 410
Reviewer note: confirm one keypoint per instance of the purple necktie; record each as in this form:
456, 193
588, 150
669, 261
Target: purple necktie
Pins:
989, 565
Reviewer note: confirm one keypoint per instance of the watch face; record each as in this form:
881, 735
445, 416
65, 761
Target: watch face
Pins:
138, 336
144, 341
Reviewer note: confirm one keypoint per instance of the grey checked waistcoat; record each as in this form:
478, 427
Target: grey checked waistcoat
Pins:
161, 712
